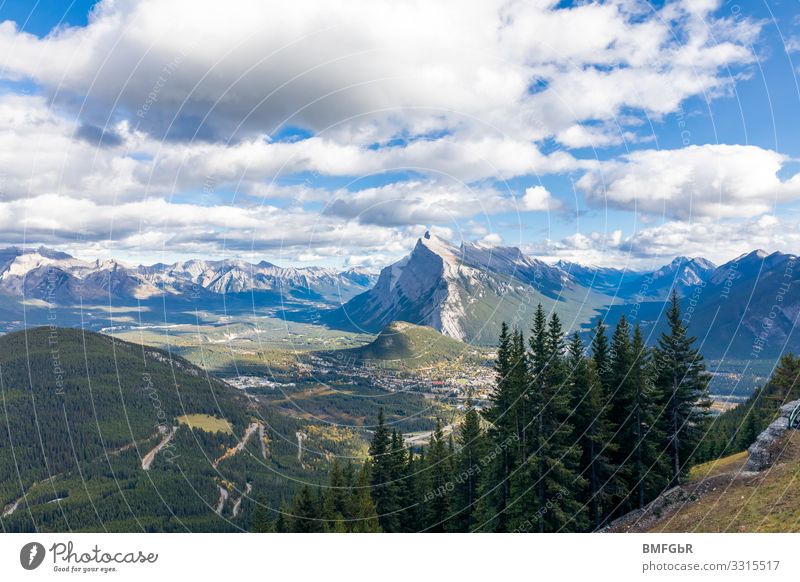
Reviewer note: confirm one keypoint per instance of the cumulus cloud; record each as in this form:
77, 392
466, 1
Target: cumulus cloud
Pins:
412, 202
538, 198
157, 102
719, 181
368, 69
649, 248
155, 225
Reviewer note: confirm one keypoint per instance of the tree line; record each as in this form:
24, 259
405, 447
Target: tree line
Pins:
571, 439
737, 428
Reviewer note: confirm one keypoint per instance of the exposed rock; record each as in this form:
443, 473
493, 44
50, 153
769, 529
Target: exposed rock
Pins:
762, 453
639, 519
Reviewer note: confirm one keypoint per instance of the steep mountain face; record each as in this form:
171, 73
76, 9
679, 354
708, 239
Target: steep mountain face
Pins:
751, 306
682, 273
58, 278
605, 279
464, 292
745, 309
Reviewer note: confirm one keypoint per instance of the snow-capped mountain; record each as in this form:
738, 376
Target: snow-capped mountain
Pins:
746, 307
59, 278
682, 273
463, 291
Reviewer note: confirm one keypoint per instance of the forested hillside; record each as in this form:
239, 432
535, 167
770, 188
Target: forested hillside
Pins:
103, 434
571, 440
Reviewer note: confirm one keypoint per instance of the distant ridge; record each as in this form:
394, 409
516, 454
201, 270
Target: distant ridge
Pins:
59, 278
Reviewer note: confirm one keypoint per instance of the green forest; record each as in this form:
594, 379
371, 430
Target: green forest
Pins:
572, 439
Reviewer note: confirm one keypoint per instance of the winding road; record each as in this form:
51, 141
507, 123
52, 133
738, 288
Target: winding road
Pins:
148, 459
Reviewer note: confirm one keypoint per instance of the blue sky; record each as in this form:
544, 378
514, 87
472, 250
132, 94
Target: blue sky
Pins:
618, 133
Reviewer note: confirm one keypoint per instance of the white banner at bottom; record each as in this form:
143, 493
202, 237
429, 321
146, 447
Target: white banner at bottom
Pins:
401, 557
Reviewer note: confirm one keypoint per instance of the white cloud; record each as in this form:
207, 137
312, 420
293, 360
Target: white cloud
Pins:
420, 203
792, 44
163, 100
649, 248
151, 226
368, 69
696, 181
43, 152
538, 198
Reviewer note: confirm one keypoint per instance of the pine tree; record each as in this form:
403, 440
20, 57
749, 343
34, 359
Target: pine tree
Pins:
545, 490
494, 484
683, 383
363, 515
648, 468
383, 471
467, 470
592, 433
436, 509
602, 357
307, 512
261, 522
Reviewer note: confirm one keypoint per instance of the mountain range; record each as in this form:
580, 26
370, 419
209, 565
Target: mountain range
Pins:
746, 307
59, 278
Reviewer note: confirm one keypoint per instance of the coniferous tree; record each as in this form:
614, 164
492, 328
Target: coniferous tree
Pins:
261, 521
737, 428
467, 470
307, 512
399, 484
545, 490
383, 472
364, 516
335, 499
495, 482
648, 467
620, 413
592, 433
283, 521
411, 494
436, 509
601, 355
682, 381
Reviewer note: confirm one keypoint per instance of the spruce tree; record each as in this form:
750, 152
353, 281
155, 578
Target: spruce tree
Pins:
436, 509
620, 414
411, 494
283, 523
399, 483
383, 472
546, 489
467, 470
261, 522
592, 433
306, 512
335, 499
647, 465
602, 357
494, 483
682, 381
363, 514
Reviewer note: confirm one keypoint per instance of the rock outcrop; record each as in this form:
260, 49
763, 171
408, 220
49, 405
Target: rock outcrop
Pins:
762, 453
